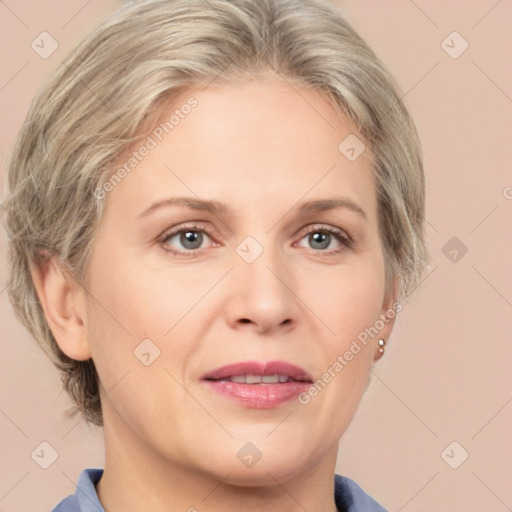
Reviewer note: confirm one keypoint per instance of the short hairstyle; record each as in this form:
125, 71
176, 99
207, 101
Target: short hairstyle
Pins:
97, 103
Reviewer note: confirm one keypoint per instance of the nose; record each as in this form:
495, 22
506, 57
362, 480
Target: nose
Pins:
262, 298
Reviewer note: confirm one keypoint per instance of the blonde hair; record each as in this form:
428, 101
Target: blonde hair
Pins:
95, 105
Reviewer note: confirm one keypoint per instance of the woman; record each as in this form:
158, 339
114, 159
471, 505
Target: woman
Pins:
216, 208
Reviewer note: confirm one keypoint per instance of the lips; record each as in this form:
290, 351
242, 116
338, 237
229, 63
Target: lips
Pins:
256, 369
258, 385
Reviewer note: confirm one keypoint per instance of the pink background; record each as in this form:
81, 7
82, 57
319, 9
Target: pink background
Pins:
446, 375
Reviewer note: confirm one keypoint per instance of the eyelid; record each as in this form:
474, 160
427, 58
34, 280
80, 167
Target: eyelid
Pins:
313, 228
192, 226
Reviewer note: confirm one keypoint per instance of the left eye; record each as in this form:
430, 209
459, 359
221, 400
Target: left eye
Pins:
320, 239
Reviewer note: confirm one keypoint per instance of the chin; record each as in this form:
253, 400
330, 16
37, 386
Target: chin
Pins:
247, 466
260, 475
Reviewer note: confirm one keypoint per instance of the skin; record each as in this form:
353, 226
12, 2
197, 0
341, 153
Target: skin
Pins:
262, 149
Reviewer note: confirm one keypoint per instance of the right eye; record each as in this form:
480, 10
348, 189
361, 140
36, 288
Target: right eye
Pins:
190, 238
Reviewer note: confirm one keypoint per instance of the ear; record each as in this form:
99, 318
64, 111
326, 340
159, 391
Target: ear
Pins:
62, 300
390, 308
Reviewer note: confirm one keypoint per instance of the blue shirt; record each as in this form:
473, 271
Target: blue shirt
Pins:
349, 497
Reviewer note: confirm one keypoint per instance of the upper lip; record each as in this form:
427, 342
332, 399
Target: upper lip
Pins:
259, 368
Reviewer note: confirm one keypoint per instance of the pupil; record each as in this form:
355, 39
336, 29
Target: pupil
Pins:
189, 238
321, 238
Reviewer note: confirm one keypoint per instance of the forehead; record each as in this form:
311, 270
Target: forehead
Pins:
248, 143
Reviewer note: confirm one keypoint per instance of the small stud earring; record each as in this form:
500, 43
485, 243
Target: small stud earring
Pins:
382, 345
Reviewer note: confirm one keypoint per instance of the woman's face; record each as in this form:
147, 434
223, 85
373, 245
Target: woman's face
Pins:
263, 278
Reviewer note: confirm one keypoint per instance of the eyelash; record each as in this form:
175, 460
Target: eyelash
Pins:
339, 235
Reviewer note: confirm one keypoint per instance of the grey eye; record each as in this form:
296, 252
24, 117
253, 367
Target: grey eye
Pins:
189, 239
319, 240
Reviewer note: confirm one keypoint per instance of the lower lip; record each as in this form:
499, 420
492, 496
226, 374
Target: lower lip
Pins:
258, 396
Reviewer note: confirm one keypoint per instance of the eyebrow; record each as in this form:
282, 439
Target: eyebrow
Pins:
330, 204
188, 202
218, 208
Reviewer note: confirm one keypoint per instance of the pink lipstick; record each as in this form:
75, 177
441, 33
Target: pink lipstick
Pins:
258, 385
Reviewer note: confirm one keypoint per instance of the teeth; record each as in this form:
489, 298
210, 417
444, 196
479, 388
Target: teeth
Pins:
259, 379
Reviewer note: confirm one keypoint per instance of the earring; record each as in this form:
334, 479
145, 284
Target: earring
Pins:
382, 346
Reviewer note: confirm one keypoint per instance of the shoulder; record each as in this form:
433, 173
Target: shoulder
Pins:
85, 498
350, 497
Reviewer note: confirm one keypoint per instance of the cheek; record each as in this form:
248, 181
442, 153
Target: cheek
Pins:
347, 300
130, 303
349, 304
129, 308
